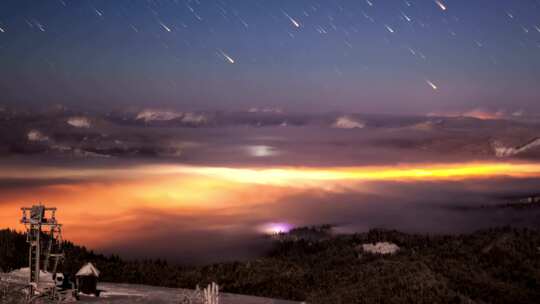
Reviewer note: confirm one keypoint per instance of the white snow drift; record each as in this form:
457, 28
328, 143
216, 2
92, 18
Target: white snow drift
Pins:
345, 122
79, 122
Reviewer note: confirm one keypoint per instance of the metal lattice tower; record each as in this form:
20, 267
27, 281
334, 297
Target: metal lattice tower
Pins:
44, 236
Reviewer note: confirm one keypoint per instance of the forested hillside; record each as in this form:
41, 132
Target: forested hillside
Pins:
496, 266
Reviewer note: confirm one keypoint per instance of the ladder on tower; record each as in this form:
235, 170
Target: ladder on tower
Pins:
53, 250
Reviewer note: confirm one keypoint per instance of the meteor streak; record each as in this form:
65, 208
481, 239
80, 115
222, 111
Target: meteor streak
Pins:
227, 57
165, 27
293, 21
432, 85
441, 5
406, 17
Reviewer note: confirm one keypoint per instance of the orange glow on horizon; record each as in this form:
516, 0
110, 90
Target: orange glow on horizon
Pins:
285, 175
422, 172
103, 202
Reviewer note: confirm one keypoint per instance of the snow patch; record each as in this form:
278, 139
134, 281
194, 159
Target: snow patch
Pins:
265, 110
79, 122
380, 248
108, 294
345, 122
22, 275
88, 270
503, 151
36, 135
157, 115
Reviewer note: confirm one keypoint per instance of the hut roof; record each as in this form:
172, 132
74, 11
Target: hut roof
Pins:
88, 270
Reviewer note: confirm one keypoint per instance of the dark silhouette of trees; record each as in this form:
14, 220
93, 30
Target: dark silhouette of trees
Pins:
493, 266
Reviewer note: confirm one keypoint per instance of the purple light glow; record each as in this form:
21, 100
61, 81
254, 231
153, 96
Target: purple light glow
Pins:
275, 228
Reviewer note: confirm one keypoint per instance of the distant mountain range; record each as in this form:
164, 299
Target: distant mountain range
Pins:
220, 137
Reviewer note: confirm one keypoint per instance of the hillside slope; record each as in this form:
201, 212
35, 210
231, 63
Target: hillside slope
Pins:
495, 266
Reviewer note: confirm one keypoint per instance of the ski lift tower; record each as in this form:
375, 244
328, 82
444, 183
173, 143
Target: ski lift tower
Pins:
44, 236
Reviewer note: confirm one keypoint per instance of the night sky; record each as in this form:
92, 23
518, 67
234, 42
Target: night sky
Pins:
213, 123
360, 56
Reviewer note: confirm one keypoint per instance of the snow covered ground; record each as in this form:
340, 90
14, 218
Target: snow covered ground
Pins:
129, 293
21, 276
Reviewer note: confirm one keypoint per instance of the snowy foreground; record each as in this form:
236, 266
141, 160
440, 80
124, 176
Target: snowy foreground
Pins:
130, 293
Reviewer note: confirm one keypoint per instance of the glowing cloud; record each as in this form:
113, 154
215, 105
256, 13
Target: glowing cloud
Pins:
318, 177
194, 191
292, 176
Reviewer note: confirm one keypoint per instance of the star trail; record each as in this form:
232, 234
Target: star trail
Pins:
364, 56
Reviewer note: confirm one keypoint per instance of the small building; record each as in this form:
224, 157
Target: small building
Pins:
382, 248
87, 278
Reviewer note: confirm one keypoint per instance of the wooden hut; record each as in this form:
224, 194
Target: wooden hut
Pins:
87, 278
